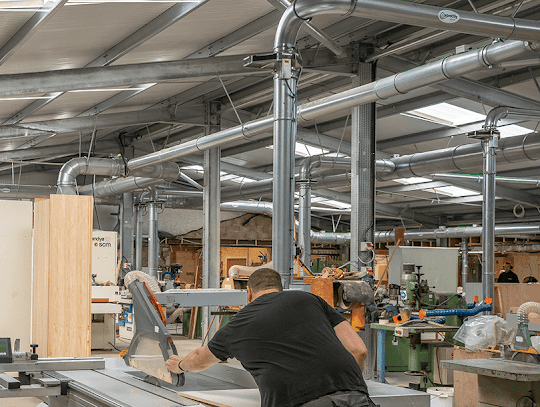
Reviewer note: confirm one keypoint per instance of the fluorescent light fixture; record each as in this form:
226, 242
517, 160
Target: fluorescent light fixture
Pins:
513, 130
104, 90
82, 2
411, 180
446, 114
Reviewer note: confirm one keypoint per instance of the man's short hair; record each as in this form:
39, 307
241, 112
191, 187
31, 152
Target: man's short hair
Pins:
265, 279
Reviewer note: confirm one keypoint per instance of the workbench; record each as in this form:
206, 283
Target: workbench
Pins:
501, 382
413, 330
110, 383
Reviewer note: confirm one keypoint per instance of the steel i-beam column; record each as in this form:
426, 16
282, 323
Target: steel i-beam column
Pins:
153, 239
464, 263
489, 148
126, 232
211, 226
304, 222
139, 237
285, 82
363, 173
363, 188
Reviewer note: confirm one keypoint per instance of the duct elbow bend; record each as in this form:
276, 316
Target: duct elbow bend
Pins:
525, 309
494, 116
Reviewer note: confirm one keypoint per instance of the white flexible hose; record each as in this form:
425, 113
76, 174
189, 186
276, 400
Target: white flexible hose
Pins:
528, 307
143, 278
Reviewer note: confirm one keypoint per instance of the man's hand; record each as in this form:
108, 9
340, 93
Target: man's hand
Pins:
173, 364
195, 361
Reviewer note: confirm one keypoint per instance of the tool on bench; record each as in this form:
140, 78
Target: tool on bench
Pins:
150, 329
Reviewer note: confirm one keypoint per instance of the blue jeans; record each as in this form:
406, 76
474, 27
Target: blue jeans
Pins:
342, 399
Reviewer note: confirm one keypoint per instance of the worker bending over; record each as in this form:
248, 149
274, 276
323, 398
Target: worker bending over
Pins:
299, 350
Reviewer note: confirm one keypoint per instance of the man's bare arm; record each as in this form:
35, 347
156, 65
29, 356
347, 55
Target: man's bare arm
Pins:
195, 361
352, 342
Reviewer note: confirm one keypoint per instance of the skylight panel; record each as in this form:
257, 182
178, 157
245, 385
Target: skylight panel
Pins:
453, 191
412, 180
446, 114
513, 130
306, 151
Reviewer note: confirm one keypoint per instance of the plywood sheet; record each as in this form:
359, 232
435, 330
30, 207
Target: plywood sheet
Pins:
70, 275
40, 291
510, 295
226, 398
466, 384
16, 270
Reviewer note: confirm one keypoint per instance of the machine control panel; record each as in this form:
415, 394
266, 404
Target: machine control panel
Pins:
402, 332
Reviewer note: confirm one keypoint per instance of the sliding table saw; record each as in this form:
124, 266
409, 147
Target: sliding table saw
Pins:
97, 382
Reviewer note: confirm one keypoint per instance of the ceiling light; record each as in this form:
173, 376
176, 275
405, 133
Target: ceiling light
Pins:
27, 98
412, 180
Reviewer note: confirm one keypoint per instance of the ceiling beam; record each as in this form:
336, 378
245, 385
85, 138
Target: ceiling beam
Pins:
30, 28
171, 115
501, 191
143, 34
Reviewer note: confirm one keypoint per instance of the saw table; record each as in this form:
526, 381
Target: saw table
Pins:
83, 382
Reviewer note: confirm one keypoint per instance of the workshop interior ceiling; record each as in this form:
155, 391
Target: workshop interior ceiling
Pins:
91, 33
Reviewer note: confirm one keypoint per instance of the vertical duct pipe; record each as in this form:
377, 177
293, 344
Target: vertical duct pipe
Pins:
363, 176
211, 209
126, 231
139, 237
153, 240
489, 147
304, 222
285, 82
464, 263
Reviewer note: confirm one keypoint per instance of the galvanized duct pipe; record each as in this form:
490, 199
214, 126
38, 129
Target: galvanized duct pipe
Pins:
463, 158
502, 112
394, 85
153, 239
464, 263
40, 152
67, 178
139, 237
478, 178
429, 234
119, 186
304, 200
13, 191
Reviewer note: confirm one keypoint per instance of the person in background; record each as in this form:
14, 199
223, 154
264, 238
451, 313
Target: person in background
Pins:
300, 351
530, 279
507, 275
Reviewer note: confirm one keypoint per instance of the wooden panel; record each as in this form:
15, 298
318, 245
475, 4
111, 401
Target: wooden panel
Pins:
466, 384
70, 275
40, 304
16, 270
511, 295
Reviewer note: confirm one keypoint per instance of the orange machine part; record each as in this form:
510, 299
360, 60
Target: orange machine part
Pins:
358, 319
323, 287
156, 304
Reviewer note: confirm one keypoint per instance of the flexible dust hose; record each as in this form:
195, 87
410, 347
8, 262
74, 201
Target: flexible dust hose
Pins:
525, 309
143, 278
458, 312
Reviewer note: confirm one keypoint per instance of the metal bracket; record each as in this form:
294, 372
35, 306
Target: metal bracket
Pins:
268, 61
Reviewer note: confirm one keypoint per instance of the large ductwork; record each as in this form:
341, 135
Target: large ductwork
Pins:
13, 191
67, 178
503, 112
448, 68
465, 157
41, 152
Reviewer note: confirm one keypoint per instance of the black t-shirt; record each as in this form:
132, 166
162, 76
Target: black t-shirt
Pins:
287, 342
508, 277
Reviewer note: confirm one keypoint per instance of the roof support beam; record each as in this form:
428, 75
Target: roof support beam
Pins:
154, 27
501, 191
141, 117
30, 28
